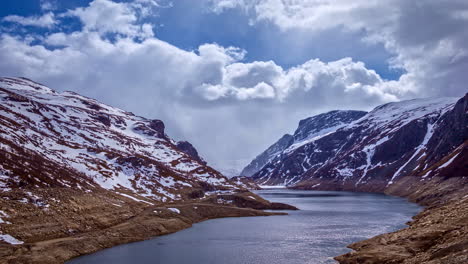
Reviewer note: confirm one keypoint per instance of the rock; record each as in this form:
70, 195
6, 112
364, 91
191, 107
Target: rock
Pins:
158, 126
103, 118
190, 150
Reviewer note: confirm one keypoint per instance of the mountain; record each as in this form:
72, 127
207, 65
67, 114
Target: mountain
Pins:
421, 138
92, 145
308, 130
255, 165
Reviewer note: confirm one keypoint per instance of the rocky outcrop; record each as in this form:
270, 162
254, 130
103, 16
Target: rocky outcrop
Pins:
190, 150
246, 182
450, 133
307, 130
438, 235
250, 200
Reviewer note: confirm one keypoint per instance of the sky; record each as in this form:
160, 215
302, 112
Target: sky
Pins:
232, 76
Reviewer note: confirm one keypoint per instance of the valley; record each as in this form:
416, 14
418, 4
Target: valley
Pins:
78, 176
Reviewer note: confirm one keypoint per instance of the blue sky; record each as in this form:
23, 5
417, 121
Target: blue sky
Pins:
233, 76
187, 24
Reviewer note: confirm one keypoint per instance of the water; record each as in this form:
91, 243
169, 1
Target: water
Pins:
326, 223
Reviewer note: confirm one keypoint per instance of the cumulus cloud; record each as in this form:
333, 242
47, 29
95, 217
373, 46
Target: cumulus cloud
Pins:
312, 82
47, 20
428, 38
229, 108
105, 16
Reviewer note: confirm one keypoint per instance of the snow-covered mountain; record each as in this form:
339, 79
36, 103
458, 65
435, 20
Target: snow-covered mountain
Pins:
422, 138
308, 130
52, 139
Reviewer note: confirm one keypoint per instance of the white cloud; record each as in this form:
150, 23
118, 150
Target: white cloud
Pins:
428, 38
105, 16
314, 80
47, 20
48, 5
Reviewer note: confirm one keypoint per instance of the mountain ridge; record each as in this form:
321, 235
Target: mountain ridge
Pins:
307, 129
382, 139
114, 149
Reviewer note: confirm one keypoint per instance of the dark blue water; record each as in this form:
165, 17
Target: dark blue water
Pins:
326, 223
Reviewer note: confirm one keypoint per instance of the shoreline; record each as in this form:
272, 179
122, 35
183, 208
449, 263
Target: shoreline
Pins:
147, 223
438, 234
395, 247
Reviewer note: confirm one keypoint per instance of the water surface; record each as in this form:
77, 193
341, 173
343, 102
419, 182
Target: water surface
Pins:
326, 223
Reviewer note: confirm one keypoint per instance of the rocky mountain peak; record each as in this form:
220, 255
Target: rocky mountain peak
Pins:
307, 130
189, 149
313, 126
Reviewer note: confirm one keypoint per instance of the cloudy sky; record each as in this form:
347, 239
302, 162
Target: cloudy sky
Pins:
232, 76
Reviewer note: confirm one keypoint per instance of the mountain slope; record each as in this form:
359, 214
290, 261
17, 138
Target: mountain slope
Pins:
370, 154
68, 140
307, 130
255, 165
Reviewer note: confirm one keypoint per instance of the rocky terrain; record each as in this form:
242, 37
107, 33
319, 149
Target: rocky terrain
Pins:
83, 223
438, 235
246, 182
77, 176
416, 149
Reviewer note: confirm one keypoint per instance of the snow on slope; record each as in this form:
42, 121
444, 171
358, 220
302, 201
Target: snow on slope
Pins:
92, 144
308, 130
382, 142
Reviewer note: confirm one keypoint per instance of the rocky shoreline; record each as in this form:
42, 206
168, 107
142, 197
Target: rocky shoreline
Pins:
437, 235
108, 225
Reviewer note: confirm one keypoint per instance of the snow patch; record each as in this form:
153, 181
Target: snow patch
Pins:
10, 240
273, 186
135, 199
175, 210
449, 161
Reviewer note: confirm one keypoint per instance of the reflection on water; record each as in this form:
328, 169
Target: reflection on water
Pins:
326, 223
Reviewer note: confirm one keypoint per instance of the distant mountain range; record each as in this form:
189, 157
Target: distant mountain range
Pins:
391, 147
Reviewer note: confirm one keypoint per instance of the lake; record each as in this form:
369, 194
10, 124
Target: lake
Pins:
325, 225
